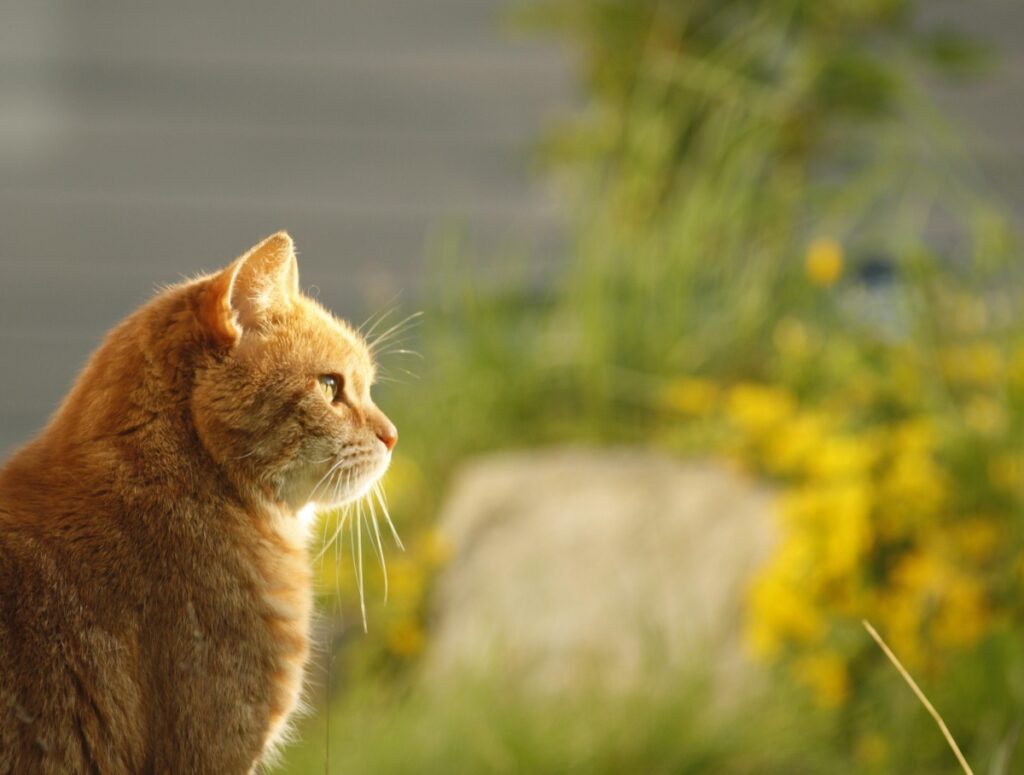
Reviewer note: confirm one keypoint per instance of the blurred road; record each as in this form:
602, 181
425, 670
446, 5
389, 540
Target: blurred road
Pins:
989, 110
143, 142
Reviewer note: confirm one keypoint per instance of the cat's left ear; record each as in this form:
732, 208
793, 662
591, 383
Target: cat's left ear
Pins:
263, 279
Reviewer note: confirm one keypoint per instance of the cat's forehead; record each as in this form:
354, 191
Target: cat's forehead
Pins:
335, 338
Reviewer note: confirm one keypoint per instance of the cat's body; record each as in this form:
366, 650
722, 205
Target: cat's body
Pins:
155, 588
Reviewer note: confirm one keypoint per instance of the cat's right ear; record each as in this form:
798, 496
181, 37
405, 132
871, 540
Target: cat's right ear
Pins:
264, 277
215, 312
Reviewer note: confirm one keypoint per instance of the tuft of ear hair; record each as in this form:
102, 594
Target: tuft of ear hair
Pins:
266, 277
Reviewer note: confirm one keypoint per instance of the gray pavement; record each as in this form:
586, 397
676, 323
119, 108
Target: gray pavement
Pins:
144, 142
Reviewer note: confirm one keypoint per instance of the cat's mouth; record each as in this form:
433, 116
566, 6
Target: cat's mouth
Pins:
367, 482
347, 481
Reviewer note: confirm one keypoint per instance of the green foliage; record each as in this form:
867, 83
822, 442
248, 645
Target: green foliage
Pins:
492, 725
774, 257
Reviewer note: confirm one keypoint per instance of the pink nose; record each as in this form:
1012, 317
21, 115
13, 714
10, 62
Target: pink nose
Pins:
387, 433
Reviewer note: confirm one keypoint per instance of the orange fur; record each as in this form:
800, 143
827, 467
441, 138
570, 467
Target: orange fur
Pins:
155, 590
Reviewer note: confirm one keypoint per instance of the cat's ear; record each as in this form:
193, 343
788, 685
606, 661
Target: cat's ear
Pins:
263, 279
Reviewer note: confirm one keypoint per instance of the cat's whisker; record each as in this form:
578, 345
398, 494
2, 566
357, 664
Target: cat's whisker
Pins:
409, 373
327, 544
324, 478
337, 557
378, 545
356, 547
384, 375
401, 351
400, 327
340, 525
398, 339
379, 316
382, 499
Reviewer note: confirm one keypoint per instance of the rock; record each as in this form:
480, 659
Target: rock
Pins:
595, 567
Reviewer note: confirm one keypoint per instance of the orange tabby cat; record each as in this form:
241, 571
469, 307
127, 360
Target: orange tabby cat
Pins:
155, 591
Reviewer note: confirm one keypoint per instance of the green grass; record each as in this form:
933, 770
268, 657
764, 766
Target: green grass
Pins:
492, 726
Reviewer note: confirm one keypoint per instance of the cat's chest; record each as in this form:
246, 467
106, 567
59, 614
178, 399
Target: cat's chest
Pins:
283, 597
244, 631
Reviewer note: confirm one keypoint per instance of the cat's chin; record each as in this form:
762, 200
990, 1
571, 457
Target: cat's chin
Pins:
356, 492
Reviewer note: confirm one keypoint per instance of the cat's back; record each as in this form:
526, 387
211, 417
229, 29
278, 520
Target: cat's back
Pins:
66, 678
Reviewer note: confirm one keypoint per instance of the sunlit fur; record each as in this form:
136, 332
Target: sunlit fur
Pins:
155, 583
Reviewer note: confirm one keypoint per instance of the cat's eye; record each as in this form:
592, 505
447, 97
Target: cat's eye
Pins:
330, 386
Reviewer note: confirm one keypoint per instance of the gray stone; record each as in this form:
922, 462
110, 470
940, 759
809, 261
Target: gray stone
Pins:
592, 568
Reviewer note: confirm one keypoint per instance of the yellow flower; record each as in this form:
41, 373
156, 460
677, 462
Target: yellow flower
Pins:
979, 363
826, 675
796, 448
963, 615
406, 638
437, 549
955, 604
758, 409
914, 436
985, 415
872, 749
913, 484
971, 313
844, 456
781, 611
978, 538
406, 578
824, 261
690, 396
1006, 472
1016, 368
899, 613
790, 337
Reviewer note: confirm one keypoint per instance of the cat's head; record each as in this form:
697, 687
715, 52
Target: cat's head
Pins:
283, 401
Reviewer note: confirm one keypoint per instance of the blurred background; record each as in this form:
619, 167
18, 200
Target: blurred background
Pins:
702, 323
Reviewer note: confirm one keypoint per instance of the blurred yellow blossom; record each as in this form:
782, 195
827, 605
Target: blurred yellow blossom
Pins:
963, 613
437, 549
780, 609
795, 449
844, 456
690, 395
824, 261
826, 675
872, 749
790, 337
406, 638
406, 577
971, 313
913, 484
978, 538
781, 613
1006, 472
978, 363
984, 415
1015, 371
951, 601
758, 409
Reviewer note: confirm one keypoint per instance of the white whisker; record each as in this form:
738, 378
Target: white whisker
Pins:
356, 547
398, 328
331, 470
377, 543
379, 316
378, 492
337, 557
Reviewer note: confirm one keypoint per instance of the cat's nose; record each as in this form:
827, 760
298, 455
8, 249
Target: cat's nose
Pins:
387, 432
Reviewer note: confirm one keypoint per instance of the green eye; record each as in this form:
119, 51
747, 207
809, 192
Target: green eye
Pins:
329, 385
